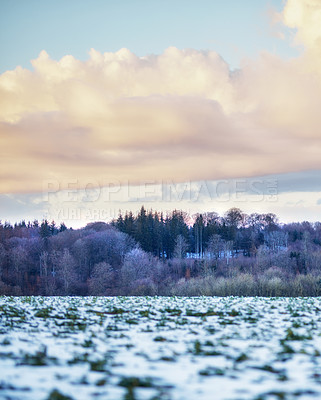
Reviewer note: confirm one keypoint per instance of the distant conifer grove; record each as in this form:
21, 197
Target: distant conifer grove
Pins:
151, 254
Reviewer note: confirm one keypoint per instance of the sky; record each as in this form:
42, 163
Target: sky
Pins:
195, 105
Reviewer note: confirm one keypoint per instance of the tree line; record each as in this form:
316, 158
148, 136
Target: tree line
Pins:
158, 235
155, 254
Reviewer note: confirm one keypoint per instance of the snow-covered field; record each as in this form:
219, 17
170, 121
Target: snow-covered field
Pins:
160, 348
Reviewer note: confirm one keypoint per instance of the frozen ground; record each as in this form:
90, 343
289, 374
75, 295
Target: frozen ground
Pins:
160, 348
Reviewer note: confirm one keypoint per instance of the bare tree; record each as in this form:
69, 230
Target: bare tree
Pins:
216, 247
181, 247
137, 265
102, 279
66, 271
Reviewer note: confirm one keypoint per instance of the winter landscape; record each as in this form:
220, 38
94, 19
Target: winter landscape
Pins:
160, 348
160, 200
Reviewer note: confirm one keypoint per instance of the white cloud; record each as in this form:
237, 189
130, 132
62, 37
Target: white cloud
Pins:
182, 115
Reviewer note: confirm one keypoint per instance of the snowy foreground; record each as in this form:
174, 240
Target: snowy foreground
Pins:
160, 348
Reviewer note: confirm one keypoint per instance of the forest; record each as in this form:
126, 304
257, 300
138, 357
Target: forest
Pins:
150, 253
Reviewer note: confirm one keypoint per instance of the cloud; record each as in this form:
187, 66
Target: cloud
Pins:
304, 15
179, 116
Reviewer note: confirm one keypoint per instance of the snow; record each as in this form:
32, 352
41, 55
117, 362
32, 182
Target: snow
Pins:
160, 347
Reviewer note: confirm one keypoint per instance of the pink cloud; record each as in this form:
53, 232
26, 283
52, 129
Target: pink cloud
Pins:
182, 115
